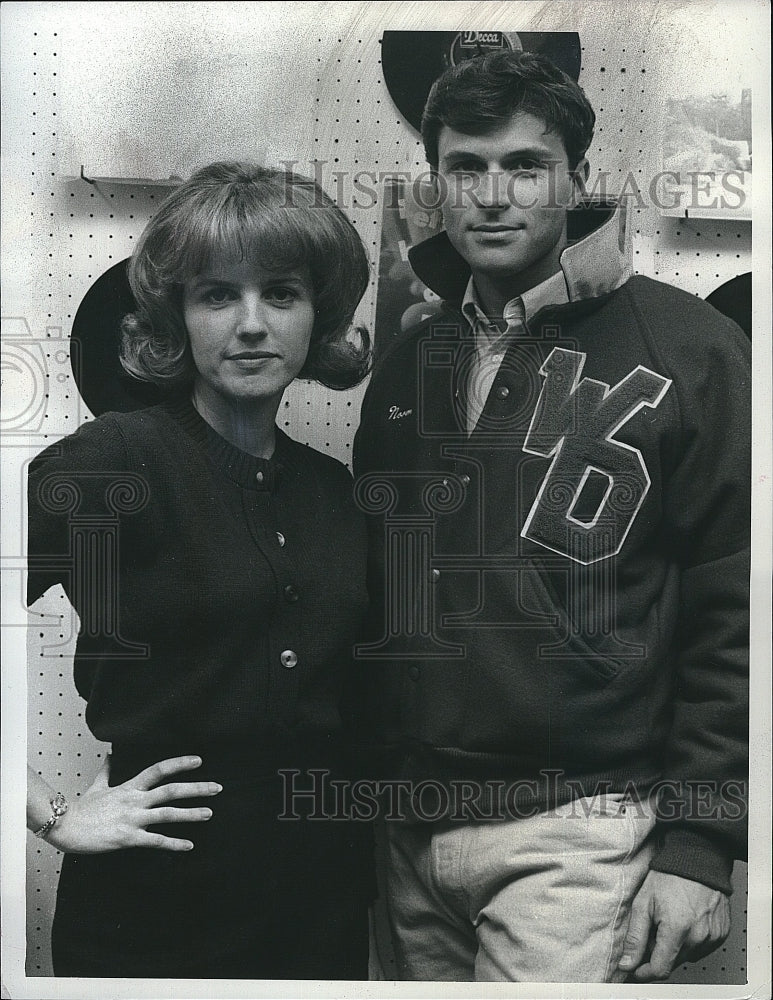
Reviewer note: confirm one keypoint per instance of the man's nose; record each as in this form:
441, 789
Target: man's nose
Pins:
491, 191
253, 317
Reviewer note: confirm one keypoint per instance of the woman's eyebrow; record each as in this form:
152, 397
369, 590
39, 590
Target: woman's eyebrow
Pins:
294, 276
266, 278
210, 279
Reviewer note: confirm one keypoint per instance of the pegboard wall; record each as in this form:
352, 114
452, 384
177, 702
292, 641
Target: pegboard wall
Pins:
77, 94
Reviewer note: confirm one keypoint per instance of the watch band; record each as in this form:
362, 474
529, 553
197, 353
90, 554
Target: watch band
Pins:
59, 807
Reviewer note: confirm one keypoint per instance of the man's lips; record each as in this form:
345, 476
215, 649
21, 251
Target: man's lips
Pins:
495, 227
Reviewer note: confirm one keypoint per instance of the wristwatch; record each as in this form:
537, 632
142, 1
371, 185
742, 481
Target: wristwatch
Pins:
59, 807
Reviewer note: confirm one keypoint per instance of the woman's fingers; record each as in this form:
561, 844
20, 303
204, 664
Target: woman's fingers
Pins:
170, 814
181, 790
160, 842
162, 770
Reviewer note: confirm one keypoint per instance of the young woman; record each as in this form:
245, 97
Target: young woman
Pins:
238, 587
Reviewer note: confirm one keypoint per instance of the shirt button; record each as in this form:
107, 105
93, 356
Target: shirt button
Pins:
291, 593
413, 673
503, 391
259, 477
280, 538
288, 659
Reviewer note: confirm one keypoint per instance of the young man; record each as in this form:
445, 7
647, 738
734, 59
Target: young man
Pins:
557, 471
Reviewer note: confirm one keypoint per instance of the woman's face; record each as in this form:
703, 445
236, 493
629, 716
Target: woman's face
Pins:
249, 328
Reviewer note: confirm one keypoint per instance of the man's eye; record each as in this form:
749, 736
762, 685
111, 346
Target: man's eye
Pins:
466, 167
524, 166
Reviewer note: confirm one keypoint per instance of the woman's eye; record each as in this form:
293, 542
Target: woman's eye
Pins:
218, 296
281, 295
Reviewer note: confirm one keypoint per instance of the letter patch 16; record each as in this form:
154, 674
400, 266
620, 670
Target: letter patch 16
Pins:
595, 485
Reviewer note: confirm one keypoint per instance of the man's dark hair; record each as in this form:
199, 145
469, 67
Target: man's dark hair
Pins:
482, 94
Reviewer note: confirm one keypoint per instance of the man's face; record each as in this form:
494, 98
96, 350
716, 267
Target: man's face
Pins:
505, 197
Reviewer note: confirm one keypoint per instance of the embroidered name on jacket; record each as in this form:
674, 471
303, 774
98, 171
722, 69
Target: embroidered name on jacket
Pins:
596, 485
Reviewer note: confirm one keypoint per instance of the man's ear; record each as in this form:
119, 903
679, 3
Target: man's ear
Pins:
579, 177
434, 184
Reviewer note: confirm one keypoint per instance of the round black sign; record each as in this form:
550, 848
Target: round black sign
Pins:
413, 60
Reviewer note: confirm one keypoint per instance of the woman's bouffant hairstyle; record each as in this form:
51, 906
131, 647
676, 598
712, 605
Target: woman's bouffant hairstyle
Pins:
242, 211
482, 94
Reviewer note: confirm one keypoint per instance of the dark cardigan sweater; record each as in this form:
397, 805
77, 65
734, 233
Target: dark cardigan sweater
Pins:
219, 594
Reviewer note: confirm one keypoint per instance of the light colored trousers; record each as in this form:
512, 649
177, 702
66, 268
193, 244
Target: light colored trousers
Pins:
541, 899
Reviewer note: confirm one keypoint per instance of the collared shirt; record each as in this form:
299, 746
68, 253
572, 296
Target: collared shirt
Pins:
594, 265
492, 343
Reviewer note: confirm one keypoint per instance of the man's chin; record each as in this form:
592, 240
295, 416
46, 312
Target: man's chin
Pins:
498, 262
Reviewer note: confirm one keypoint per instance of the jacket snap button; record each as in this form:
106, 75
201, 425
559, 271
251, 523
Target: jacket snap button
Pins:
435, 574
503, 391
288, 659
465, 480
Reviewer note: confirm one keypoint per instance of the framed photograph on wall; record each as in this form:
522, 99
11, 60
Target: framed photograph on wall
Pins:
707, 154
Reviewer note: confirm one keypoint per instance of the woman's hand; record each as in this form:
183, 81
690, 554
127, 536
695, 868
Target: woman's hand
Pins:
108, 818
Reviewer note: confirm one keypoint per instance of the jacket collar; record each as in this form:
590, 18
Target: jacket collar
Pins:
593, 264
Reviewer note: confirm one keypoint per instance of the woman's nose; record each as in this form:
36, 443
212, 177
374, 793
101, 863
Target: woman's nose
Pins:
253, 321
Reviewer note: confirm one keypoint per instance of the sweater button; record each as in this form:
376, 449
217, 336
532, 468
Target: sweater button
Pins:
259, 477
465, 480
280, 538
288, 659
503, 391
291, 593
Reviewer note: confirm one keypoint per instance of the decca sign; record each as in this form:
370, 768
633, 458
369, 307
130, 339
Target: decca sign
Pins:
472, 43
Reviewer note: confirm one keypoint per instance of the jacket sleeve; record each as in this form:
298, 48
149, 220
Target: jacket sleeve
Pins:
702, 814
68, 483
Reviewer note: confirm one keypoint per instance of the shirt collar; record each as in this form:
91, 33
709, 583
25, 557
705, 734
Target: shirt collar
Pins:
550, 292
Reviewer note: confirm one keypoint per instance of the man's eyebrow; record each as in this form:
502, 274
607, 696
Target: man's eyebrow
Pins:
530, 153
527, 152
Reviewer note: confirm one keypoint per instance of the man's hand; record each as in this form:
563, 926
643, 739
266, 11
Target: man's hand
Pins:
687, 920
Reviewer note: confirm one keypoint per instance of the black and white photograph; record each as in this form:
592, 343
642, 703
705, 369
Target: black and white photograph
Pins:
387, 499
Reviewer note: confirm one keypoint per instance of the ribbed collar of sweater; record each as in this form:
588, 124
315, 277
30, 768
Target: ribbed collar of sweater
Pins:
247, 471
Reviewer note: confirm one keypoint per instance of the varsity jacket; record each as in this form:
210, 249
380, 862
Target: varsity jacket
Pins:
562, 595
